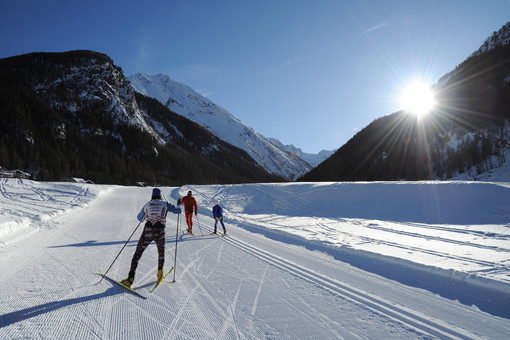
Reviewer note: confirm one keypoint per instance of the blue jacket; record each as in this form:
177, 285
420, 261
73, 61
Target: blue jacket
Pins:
217, 211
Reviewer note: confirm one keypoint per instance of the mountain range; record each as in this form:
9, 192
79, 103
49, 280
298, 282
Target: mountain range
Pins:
75, 114
286, 161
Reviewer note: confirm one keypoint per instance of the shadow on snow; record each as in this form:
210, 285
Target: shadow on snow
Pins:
28, 313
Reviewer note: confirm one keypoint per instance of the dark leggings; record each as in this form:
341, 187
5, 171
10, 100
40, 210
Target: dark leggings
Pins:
150, 233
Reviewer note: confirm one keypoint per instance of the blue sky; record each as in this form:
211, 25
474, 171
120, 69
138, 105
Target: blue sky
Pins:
309, 73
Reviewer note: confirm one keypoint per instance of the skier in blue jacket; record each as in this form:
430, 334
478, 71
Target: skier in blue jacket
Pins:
217, 212
154, 212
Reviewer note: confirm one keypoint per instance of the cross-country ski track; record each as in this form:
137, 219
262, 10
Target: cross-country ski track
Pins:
333, 276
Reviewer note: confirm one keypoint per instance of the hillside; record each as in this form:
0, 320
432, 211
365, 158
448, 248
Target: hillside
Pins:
78, 108
467, 133
272, 156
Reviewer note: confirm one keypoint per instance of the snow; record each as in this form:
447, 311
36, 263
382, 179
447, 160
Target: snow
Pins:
499, 174
181, 99
310, 158
392, 260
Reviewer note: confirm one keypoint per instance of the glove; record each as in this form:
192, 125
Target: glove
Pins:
196, 213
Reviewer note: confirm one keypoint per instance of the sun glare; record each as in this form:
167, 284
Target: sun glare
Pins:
418, 98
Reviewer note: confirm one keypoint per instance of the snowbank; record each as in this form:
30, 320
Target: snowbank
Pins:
29, 204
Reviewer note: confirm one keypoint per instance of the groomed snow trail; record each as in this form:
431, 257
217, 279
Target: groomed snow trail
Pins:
241, 286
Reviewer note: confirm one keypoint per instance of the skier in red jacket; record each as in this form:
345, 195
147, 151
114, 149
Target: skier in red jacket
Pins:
190, 206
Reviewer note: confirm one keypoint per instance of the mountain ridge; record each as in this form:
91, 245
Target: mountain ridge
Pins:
467, 135
182, 99
75, 114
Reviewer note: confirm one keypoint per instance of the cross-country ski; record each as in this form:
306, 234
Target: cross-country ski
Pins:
161, 281
122, 285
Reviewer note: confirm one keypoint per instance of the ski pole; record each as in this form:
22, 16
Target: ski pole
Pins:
120, 252
199, 225
176, 238
182, 230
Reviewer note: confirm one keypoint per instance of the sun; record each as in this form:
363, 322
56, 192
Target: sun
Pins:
418, 98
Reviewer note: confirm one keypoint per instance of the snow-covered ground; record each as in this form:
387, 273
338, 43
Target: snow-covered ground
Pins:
399, 260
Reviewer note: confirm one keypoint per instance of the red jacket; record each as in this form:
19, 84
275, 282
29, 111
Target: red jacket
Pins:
190, 204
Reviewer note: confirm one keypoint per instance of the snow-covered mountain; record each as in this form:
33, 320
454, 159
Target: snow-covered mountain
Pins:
313, 159
78, 106
499, 38
89, 79
269, 153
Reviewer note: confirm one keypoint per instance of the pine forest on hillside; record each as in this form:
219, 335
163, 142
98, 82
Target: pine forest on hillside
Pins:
468, 131
41, 135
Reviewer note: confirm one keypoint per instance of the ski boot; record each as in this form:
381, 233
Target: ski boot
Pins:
160, 275
128, 282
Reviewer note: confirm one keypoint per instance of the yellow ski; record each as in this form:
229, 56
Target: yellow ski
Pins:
123, 286
160, 282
